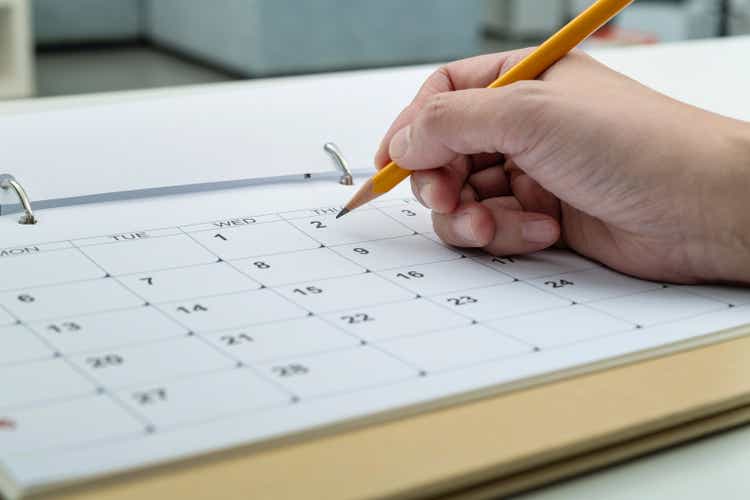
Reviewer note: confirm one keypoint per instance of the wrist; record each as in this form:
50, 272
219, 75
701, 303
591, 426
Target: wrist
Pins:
728, 214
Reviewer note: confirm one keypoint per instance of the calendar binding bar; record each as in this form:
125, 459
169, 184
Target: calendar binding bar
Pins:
343, 173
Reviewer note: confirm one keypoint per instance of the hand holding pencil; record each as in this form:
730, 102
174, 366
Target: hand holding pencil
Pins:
529, 68
583, 157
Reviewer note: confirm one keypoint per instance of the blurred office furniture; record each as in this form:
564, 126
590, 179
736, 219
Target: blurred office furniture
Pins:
243, 38
16, 68
524, 19
269, 37
662, 20
86, 21
738, 22
675, 20
266, 37
669, 20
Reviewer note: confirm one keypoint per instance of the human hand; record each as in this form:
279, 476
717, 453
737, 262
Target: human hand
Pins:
583, 157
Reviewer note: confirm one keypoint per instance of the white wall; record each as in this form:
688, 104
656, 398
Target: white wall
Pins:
16, 69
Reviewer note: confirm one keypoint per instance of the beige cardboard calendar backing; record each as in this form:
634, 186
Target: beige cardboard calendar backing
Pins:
480, 449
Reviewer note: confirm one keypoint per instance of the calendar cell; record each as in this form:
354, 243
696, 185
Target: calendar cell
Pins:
188, 282
412, 215
128, 236
736, 296
376, 323
69, 300
148, 253
561, 326
125, 366
388, 201
270, 341
107, 330
364, 225
235, 310
5, 318
501, 301
46, 268
396, 252
338, 371
40, 381
204, 397
308, 265
545, 263
336, 293
442, 277
448, 349
258, 239
593, 284
317, 212
249, 220
21, 344
658, 306
76, 422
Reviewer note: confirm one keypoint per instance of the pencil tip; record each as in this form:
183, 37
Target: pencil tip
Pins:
342, 213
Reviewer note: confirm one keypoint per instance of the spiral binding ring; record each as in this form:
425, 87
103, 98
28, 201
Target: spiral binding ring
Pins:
340, 162
9, 182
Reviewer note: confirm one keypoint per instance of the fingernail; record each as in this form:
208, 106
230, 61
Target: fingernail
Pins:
539, 231
463, 228
399, 144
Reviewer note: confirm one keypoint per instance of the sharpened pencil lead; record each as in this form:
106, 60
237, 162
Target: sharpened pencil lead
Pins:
343, 212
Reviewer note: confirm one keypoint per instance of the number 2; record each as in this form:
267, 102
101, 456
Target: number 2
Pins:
97, 362
358, 318
67, 326
237, 339
559, 283
150, 397
461, 301
195, 308
410, 275
290, 370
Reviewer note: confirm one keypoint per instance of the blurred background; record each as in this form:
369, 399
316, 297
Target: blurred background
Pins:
62, 47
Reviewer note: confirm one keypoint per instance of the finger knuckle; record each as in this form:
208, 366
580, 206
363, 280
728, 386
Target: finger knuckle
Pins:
435, 110
578, 55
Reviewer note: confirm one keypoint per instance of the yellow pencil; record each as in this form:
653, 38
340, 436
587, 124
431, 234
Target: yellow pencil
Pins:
533, 65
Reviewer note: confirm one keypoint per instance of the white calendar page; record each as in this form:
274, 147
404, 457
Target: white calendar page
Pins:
139, 332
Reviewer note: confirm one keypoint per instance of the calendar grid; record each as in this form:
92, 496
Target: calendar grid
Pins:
101, 390
294, 397
96, 388
311, 313
149, 332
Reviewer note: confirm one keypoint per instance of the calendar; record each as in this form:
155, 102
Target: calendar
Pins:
137, 332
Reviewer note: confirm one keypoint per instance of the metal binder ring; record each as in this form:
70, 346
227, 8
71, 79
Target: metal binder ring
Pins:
9, 182
338, 158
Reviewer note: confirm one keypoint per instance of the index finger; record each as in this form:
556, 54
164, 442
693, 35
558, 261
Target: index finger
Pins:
474, 72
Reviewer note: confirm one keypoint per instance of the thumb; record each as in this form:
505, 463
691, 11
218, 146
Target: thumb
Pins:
503, 120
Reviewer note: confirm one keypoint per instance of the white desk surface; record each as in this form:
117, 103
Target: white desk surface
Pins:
707, 73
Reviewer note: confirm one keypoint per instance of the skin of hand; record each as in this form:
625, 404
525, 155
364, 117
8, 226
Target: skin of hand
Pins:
585, 158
